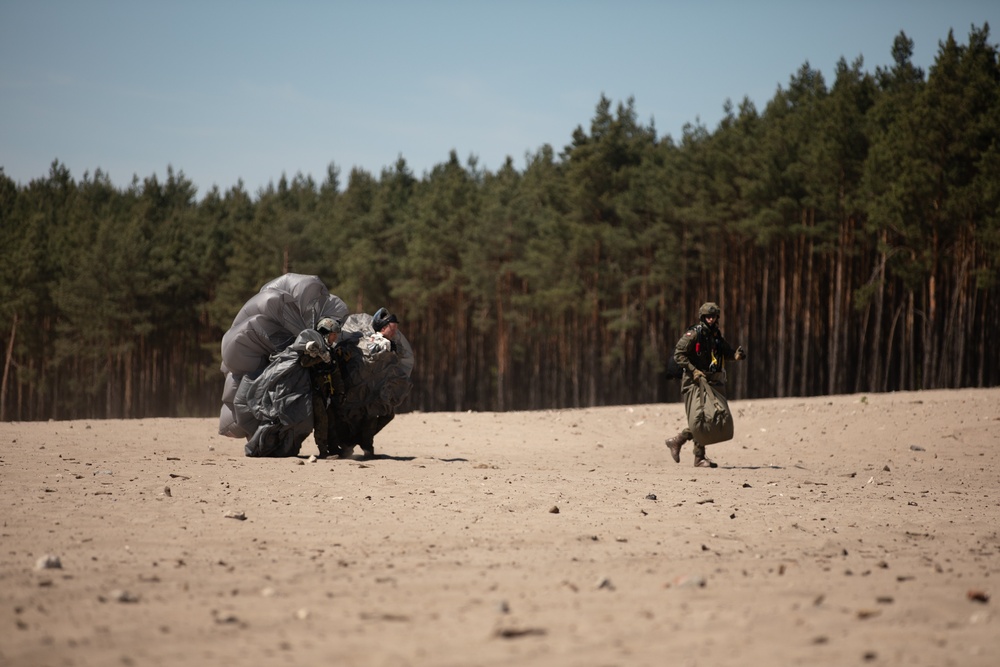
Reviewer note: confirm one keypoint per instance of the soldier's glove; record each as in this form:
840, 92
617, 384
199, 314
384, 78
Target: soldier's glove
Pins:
740, 354
313, 350
697, 375
379, 343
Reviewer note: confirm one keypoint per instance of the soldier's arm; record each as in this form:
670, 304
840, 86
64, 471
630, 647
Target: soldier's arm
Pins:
727, 351
683, 351
731, 353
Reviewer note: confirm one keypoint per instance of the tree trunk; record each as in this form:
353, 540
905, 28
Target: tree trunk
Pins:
459, 325
892, 334
6, 369
910, 348
795, 307
882, 353
807, 316
836, 321
503, 340
782, 332
127, 396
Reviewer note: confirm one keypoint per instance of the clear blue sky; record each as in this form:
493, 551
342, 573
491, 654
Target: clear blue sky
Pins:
226, 90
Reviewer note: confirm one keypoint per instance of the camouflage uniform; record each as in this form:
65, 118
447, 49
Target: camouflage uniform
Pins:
701, 348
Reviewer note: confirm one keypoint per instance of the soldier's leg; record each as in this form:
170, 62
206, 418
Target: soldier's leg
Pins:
382, 421
341, 435
675, 443
321, 425
375, 425
700, 460
333, 438
366, 436
369, 429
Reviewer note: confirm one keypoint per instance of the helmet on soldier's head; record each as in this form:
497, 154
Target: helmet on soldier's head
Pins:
327, 326
709, 309
381, 319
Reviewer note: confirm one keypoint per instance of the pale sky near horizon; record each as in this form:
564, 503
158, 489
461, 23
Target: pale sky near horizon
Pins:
225, 91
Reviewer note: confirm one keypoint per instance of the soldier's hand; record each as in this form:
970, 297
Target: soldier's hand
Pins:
696, 375
740, 353
380, 343
313, 349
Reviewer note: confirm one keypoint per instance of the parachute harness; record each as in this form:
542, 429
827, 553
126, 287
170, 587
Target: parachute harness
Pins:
716, 364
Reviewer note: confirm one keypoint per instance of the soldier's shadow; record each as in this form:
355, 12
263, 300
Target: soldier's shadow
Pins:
360, 458
382, 457
722, 467
387, 457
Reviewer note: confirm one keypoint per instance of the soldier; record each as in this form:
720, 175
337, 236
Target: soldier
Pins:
386, 325
327, 383
701, 353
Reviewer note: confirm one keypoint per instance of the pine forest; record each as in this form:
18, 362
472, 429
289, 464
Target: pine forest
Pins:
849, 229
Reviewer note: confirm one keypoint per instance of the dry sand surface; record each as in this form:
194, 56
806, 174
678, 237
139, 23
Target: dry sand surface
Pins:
845, 530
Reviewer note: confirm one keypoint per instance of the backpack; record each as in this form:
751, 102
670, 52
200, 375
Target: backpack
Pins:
674, 370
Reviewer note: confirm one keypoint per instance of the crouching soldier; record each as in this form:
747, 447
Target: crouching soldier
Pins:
327, 384
394, 374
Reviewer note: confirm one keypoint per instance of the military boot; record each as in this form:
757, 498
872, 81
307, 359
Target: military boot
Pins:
700, 460
674, 444
324, 451
321, 426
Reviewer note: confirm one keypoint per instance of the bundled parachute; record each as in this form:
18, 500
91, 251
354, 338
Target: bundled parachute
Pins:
276, 407
709, 417
266, 325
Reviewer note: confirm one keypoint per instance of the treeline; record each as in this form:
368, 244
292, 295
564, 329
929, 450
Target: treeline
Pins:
850, 232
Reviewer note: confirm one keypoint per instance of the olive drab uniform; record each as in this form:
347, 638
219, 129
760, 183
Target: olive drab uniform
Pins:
345, 414
702, 348
328, 384
325, 363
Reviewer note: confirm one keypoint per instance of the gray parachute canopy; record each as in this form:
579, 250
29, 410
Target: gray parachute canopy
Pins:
276, 407
267, 324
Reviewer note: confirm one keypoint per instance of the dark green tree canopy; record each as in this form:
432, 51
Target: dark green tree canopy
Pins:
850, 229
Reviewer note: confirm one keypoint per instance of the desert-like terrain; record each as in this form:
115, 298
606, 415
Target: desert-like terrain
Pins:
844, 530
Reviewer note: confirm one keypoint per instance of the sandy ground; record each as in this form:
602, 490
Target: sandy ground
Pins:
840, 530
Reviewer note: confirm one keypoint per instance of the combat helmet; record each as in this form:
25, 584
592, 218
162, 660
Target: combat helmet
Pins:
382, 318
709, 309
327, 326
